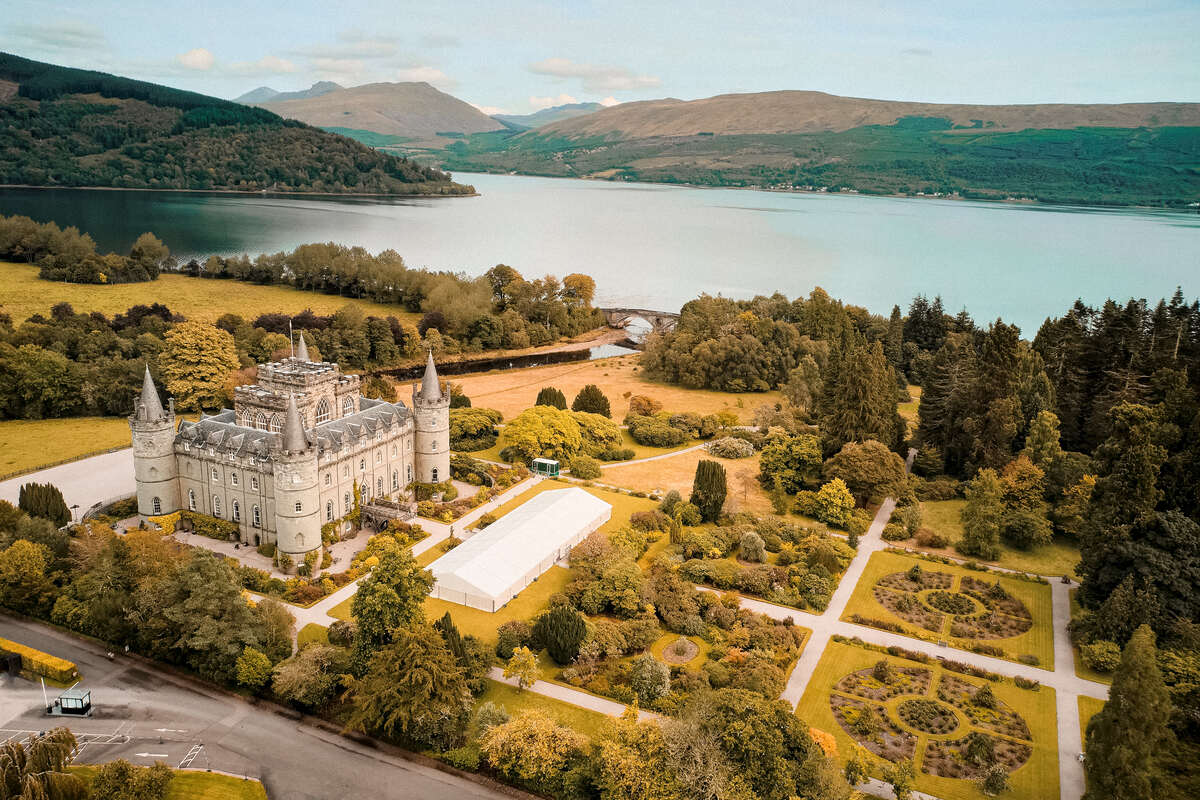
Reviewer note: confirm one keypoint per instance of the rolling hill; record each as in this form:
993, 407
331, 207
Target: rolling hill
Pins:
422, 115
265, 94
1132, 153
547, 116
61, 126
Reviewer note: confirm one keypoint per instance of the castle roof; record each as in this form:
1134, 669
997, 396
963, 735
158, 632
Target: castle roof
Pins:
373, 416
221, 432
430, 388
294, 439
151, 406
302, 349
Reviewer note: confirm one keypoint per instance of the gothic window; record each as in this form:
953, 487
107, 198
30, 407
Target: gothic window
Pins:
257, 517
156, 504
347, 406
328, 479
237, 511
233, 478
216, 506
329, 511
277, 423
299, 506
395, 480
346, 503
260, 421
191, 500
323, 410
213, 472
378, 486
378, 456
435, 478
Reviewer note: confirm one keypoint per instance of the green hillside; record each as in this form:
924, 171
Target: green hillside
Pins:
1110, 166
72, 127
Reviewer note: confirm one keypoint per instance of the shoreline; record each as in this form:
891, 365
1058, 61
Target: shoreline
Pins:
245, 192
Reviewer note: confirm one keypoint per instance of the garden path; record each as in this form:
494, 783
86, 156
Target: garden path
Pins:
574, 696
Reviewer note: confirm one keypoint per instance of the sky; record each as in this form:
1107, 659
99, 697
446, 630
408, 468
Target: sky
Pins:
521, 55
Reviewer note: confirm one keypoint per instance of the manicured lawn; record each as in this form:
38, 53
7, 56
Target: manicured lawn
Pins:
1083, 671
668, 639
1060, 557
1038, 640
1037, 778
23, 294
678, 472
199, 785
589, 723
1088, 708
342, 609
512, 391
312, 633
28, 445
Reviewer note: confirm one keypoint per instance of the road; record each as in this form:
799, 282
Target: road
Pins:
83, 483
145, 716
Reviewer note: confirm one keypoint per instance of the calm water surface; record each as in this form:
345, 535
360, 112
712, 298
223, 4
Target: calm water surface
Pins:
658, 246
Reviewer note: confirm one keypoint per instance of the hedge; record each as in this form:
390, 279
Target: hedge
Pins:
39, 663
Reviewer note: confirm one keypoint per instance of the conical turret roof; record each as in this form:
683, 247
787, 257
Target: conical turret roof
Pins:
302, 349
293, 429
149, 402
430, 389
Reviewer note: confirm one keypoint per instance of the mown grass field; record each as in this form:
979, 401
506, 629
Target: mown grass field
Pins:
23, 293
28, 445
1037, 641
1060, 557
512, 391
1088, 708
312, 633
678, 472
1035, 780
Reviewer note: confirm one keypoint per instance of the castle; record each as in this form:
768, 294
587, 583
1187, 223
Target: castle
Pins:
286, 458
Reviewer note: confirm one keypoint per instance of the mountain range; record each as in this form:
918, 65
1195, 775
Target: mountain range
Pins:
546, 116
265, 94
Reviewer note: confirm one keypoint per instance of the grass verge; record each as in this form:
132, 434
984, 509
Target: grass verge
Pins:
1088, 708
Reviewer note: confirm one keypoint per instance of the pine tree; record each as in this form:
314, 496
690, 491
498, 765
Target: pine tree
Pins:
859, 402
981, 517
453, 639
592, 400
549, 396
560, 630
1126, 739
1042, 442
893, 346
44, 500
709, 488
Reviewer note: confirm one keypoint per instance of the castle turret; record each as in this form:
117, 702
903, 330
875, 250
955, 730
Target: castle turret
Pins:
302, 349
431, 436
297, 498
154, 467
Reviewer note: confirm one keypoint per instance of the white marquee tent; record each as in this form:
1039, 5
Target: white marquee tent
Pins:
494, 565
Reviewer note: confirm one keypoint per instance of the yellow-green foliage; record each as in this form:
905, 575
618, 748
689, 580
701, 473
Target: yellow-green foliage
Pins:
39, 663
168, 522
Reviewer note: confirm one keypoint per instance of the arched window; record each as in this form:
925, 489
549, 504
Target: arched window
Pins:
395, 480
378, 456
435, 478
323, 410
213, 472
156, 504
346, 503
237, 511
233, 478
378, 486
277, 423
347, 406
256, 516
191, 500
328, 479
329, 511
260, 421
216, 506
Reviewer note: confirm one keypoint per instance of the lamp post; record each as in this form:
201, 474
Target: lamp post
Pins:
75, 512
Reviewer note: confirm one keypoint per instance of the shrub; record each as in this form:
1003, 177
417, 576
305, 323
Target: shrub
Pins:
39, 663
642, 406
650, 678
1101, 656
751, 547
592, 400
616, 454
44, 500
882, 671
672, 499
835, 504
994, 780
709, 489
729, 447
941, 489
1030, 659
341, 633
984, 697
549, 396
927, 538
654, 432
894, 532
688, 513
464, 758
267, 549
560, 630
585, 467
485, 520
650, 520
910, 518
511, 635
1026, 683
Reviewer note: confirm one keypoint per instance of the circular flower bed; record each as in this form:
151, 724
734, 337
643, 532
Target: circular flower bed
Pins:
927, 715
680, 651
954, 603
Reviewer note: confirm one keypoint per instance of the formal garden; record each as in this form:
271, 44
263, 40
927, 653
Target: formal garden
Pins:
994, 614
955, 723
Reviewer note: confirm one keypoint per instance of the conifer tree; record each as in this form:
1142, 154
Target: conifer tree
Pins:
560, 630
709, 488
44, 500
549, 396
982, 516
893, 346
592, 400
453, 639
1127, 738
859, 402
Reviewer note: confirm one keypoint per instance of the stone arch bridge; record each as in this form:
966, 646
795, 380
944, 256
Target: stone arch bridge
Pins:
659, 321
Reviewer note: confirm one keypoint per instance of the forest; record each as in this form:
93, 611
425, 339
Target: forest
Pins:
73, 127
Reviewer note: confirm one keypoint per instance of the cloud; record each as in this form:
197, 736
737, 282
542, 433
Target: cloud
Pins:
594, 77
539, 103
610, 101
351, 45
919, 52
198, 59
267, 65
440, 40
490, 110
430, 75
338, 68
60, 36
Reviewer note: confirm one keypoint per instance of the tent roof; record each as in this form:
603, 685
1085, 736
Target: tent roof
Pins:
491, 561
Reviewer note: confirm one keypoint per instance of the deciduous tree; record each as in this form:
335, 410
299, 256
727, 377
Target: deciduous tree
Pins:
195, 362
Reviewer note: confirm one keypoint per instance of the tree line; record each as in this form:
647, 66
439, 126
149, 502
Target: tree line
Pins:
65, 254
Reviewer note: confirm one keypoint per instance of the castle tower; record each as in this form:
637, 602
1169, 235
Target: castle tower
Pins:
302, 349
297, 498
154, 467
431, 435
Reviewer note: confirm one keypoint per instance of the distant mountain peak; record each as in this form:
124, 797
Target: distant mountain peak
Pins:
546, 116
260, 95
265, 94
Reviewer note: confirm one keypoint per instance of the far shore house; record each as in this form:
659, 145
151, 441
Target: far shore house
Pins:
494, 565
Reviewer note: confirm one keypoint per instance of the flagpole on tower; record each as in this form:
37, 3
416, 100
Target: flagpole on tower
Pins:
291, 339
